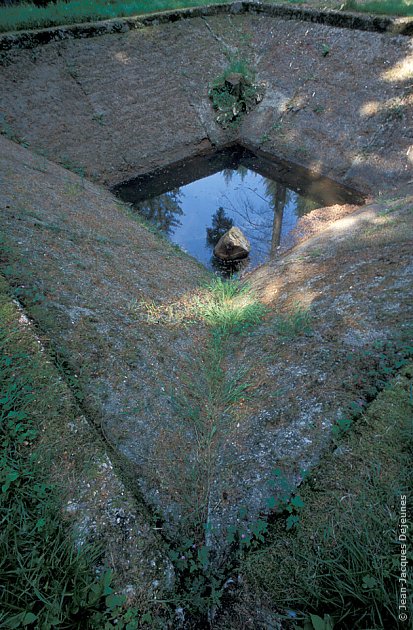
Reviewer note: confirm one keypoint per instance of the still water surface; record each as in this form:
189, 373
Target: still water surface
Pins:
195, 201
196, 215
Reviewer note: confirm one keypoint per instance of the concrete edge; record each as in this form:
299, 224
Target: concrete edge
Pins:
355, 21
95, 500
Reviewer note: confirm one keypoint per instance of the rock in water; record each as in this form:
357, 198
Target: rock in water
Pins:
232, 246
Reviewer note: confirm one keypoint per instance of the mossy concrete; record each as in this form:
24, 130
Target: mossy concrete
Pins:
337, 101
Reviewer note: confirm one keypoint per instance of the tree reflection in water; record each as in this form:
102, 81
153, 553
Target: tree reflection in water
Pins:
195, 216
163, 211
262, 225
221, 223
277, 195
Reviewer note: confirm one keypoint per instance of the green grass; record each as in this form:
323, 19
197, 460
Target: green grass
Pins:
46, 579
402, 8
229, 307
28, 16
226, 306
297, 321
344, 558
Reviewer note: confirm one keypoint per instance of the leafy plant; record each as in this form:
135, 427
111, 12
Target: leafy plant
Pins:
265, 137
374, 368
325, 49
200, 584
234, 93
247, 534
285, 499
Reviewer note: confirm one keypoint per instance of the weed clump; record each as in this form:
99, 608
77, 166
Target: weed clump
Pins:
229, 307
235, 93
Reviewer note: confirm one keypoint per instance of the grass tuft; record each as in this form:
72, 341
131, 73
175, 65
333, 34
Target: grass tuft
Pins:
294, 323
230, 307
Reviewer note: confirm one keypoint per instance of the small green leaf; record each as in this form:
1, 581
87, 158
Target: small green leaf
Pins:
10, 477
318, 623
271, 503
231, 532
203, 554
22, 619
28, 618
13, 622
114, 601
292, 521
297, 502
369, 582
107, 579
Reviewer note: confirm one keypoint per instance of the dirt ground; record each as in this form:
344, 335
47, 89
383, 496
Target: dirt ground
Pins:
337, 101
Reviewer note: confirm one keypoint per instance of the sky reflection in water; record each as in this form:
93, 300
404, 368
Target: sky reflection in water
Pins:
195, 215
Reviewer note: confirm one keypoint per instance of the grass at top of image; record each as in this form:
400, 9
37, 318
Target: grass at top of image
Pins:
29, 16
403, 8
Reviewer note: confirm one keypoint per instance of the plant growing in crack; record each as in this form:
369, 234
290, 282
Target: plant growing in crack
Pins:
235, 93
205, 405
374, 368
285, 499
